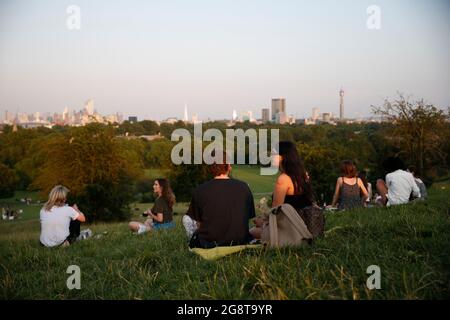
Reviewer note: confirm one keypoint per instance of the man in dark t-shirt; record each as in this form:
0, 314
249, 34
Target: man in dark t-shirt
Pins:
220, 210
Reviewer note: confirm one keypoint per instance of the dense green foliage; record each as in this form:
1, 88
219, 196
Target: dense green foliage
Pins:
7, 181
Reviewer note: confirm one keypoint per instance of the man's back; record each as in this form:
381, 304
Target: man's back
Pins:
223, 207
400, 185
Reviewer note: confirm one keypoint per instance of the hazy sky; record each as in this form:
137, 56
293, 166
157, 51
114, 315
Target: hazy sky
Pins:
149, 58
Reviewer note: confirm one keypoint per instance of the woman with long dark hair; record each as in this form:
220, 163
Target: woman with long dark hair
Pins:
161, 214
293, 186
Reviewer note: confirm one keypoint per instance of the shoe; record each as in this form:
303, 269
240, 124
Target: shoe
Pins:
142, 229
85, 234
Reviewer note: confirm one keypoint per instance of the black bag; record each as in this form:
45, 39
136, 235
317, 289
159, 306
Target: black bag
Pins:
314, 219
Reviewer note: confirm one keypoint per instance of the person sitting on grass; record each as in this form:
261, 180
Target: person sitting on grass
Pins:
160, 216
419, 182
350, 191
399, 186
220, 209
60, 223
293, 185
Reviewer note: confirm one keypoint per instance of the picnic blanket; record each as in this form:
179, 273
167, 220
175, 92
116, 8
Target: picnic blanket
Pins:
219, 252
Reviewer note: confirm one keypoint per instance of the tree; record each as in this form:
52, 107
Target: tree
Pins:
95, 166
7, 181
419, 130
185, 178
158, 153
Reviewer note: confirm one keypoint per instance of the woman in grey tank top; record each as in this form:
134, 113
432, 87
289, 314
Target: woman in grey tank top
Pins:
350, 191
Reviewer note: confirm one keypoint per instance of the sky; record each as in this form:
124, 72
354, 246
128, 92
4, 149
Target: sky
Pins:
150, 58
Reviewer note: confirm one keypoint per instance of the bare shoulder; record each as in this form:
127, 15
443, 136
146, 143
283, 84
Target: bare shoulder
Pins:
283, 179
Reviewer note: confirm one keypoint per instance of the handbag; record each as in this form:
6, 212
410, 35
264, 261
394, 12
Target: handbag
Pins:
314, 219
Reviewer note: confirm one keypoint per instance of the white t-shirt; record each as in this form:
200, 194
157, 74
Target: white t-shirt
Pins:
400, 185
55, 225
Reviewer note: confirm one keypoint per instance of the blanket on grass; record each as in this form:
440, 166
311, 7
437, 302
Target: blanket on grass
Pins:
220, 252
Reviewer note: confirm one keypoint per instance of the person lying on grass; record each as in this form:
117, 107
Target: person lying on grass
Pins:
220, 209
60, 223
160, 216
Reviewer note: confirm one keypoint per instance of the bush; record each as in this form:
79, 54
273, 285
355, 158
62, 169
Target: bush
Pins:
8, 181
105, 201
185, 178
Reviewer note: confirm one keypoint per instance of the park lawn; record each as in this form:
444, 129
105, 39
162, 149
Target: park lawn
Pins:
260, 185
409, 243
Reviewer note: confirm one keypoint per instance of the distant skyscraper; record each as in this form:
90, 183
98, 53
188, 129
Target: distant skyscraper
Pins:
265, 115
315, 114
8, 117
281, 118
326, 117
341, 104
89, 107
37, 116
235, 116
247, 116
66, 115
278, 106
133, 119
186, 118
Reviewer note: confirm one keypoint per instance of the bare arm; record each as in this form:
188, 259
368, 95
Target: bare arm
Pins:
336, 192
81, 217
363, 189
157, 217
280, 190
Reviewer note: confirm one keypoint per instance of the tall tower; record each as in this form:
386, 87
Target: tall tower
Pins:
186, 119
341, 104
89, 107
234, 116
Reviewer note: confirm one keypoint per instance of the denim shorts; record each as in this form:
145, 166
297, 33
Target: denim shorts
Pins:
166, 225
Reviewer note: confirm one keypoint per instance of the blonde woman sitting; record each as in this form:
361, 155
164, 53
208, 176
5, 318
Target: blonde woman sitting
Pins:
60, 223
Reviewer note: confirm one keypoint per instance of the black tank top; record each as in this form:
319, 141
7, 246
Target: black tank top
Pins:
298, 201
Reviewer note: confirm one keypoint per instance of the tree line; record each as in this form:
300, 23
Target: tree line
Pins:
103, 165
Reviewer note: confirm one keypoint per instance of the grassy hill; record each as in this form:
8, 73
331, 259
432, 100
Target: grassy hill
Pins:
410, 244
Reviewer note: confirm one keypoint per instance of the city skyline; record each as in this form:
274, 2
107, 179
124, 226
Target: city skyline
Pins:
151, 59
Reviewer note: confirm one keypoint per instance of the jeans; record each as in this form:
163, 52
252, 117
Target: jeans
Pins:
74, 230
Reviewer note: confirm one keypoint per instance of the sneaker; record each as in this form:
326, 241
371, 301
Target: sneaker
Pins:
142, 229
255, 241
85, 234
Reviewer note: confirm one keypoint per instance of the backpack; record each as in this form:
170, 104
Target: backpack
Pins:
285, 227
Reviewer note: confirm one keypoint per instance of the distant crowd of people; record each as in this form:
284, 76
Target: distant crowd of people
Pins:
220, 210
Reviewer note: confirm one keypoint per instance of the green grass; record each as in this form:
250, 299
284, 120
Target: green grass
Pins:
251, 174
259, 185
410, 244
